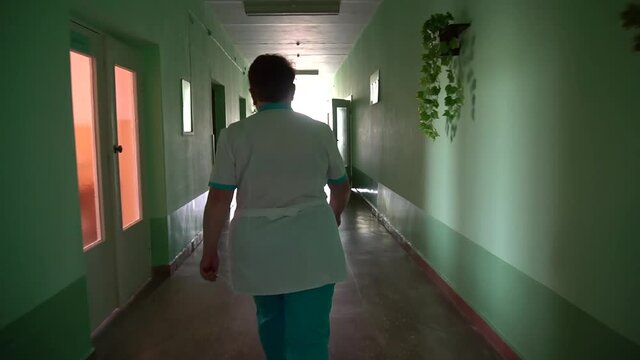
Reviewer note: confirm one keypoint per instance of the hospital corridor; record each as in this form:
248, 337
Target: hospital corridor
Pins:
489, 151
378, 312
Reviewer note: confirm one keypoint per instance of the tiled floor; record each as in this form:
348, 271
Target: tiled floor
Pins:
386, 310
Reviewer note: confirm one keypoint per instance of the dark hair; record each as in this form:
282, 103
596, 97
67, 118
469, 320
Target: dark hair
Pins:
271, 78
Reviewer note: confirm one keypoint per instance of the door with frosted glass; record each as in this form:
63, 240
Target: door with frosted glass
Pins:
96, 189
132, 234
105, 89
341, 111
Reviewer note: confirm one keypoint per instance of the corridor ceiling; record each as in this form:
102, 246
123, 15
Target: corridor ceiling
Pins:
324, 40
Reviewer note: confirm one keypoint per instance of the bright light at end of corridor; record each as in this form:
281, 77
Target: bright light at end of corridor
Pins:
313, 96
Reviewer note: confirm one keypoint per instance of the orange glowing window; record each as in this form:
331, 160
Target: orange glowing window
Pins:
128, 160
84, 120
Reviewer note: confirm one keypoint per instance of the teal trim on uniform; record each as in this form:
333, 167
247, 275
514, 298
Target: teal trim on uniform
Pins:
339, 180
222, 186
275, 106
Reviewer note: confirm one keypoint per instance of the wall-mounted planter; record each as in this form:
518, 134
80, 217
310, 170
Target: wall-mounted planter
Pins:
631, 20
451, 32
441, 42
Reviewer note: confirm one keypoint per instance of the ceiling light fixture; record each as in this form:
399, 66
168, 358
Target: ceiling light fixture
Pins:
307, 72
291, 7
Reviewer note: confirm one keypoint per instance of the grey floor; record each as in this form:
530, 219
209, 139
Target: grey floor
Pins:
387, 309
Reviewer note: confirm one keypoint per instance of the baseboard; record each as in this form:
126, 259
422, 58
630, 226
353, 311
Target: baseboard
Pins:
476, 321
161, 271
185, 253
146, 289
92, 355
164, 271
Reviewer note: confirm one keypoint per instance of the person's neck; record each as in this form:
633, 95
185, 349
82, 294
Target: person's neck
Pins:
264, 105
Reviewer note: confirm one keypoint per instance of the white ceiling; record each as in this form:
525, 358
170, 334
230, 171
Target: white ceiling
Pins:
324, 40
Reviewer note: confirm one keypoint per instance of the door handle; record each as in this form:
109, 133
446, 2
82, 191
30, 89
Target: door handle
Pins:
117, 149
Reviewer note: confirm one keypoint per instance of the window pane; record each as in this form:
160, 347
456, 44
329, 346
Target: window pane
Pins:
82, 92
187, 124
128, 161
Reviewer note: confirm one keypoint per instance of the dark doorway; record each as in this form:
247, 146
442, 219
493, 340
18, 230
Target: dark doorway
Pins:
243, 108
218, 113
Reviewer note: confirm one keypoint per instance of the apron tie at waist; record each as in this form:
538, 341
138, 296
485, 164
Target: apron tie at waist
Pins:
276, 213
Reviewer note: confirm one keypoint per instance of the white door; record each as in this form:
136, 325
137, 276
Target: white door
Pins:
105, 96
133, 255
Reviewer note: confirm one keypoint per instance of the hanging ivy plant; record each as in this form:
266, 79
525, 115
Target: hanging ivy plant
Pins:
631, 20
440, 43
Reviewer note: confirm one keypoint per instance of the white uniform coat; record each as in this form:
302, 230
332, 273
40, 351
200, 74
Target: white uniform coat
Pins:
283, 237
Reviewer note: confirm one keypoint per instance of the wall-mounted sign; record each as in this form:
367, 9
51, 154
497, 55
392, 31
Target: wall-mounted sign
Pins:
187, 122
374, 88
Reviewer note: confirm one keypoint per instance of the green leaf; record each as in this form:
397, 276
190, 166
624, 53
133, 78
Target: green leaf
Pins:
451, 77
433, 63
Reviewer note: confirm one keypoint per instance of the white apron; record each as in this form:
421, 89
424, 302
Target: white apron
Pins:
283, 250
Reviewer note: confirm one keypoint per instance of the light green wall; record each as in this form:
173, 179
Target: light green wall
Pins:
40, 245
533, 319
41, 237
41, 255
543, 171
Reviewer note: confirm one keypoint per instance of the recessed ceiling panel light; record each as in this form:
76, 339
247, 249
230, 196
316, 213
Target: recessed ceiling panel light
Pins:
307, 72
291, 7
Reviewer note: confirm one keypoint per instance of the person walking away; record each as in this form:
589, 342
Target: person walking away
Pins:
285, 248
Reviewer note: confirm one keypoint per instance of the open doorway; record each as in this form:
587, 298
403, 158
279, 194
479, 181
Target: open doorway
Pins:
218, 112
341, 114
243, 108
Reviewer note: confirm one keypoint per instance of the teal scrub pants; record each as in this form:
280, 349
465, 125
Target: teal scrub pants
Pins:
295, 326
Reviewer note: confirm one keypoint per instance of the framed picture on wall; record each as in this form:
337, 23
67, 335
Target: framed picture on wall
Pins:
187, 121
374, 88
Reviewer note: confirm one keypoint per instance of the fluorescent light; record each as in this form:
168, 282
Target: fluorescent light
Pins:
307, 72
293, 7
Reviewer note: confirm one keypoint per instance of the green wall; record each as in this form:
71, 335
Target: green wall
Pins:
40, 248
541, 176
43, 307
